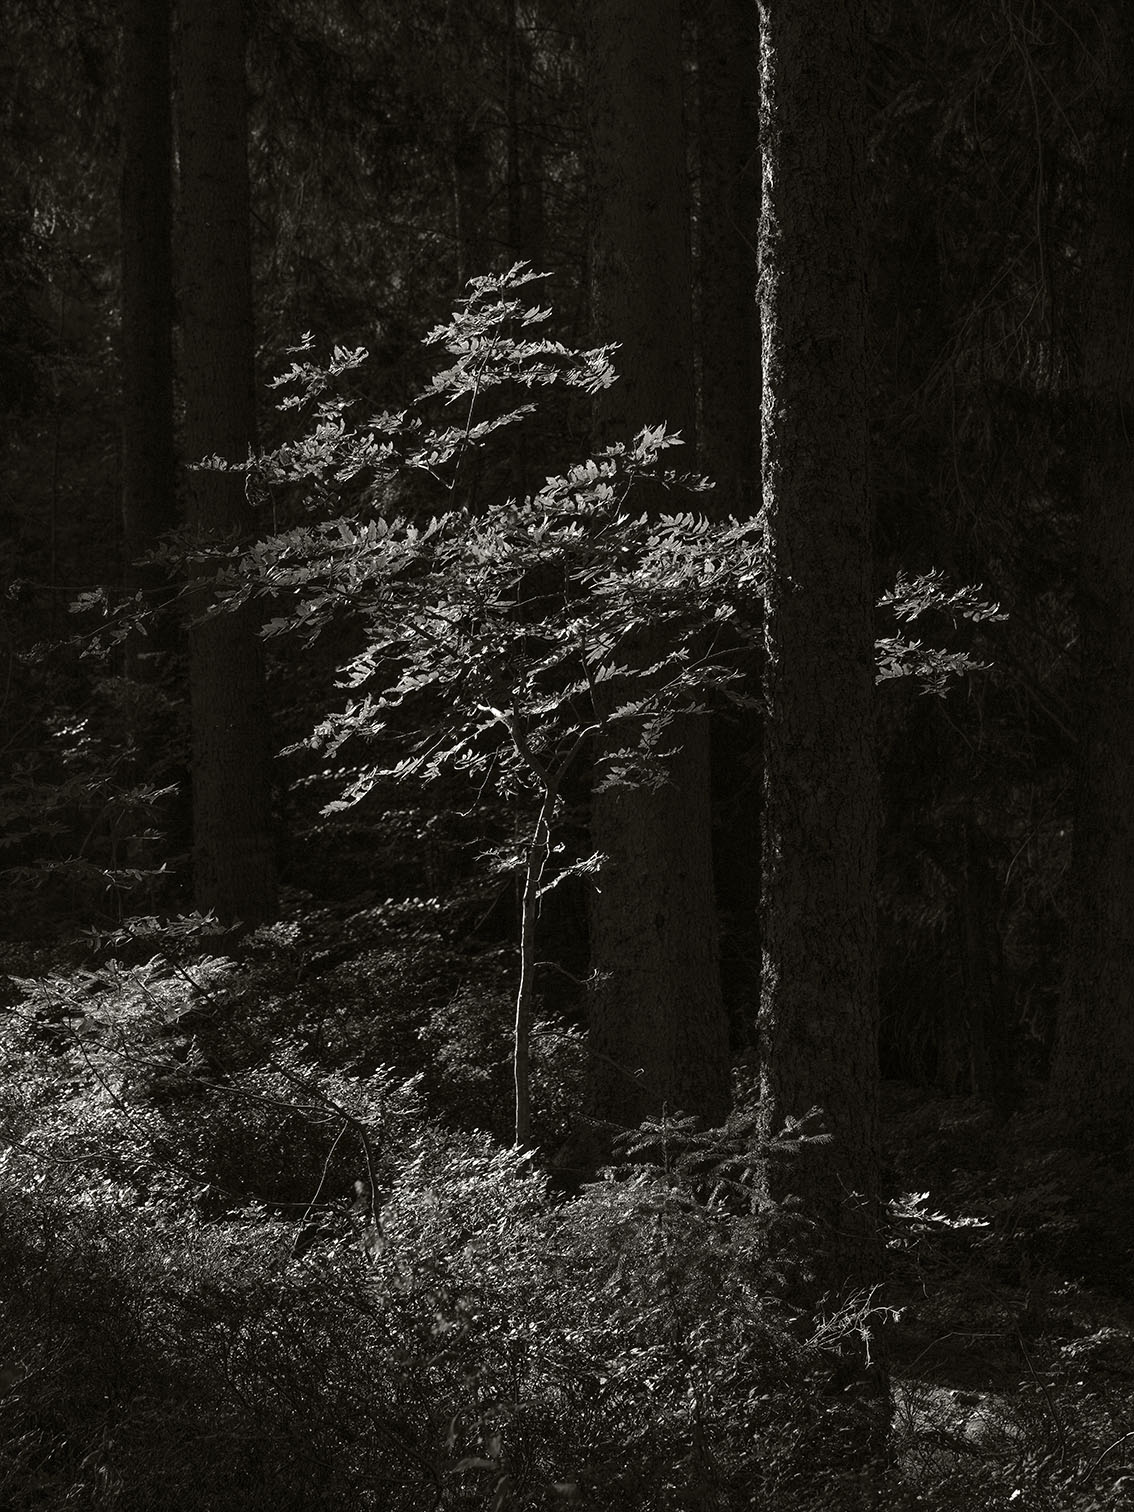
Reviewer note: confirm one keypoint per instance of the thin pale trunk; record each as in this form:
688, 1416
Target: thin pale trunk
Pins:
550, 780
538, 852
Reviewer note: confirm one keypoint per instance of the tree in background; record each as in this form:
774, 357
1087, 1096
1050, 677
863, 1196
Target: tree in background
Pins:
149, 495
658, 1032
523, 146
976, 210
818, 1014
233, 863
1093, 1073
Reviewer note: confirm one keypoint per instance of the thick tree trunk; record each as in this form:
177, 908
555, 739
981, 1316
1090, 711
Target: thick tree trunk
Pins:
658, 1032
641, 266
233, 864
149, 501
728, 443
818, 1012
1093, 1073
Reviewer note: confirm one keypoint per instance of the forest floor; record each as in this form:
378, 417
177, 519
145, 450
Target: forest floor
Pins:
1011, 1283
1012, 1356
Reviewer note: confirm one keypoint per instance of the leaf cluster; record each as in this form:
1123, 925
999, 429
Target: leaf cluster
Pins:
495, 635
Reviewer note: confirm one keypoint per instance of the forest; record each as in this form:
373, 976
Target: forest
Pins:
566, 755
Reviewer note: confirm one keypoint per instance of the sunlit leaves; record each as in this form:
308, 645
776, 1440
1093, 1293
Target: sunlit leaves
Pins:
912, 597
496, 631
933, 668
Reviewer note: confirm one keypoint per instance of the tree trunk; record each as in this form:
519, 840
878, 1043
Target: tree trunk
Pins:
471, 164
818, 1012
149, 501
658, 1032
149, 479
987, 1000
1093, 1072
523, 155
728, 157
470, 201
233, 864
729, 170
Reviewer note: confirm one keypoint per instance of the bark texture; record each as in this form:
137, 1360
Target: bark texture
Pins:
658, 1032
728, 441
233, 863
1093, 1073
818, 1014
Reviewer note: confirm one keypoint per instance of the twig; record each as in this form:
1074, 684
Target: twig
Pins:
1085, 1477
319, 1189
1055, 1418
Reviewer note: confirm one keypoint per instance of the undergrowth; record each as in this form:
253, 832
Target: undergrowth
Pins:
256, 1256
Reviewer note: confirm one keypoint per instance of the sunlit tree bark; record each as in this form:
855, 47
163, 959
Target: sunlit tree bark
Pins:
728, 442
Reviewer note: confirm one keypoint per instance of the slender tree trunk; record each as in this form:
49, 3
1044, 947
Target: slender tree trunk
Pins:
233, 864
149, 500
539, 850
658, 1030
818, 1011
1093, 1072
